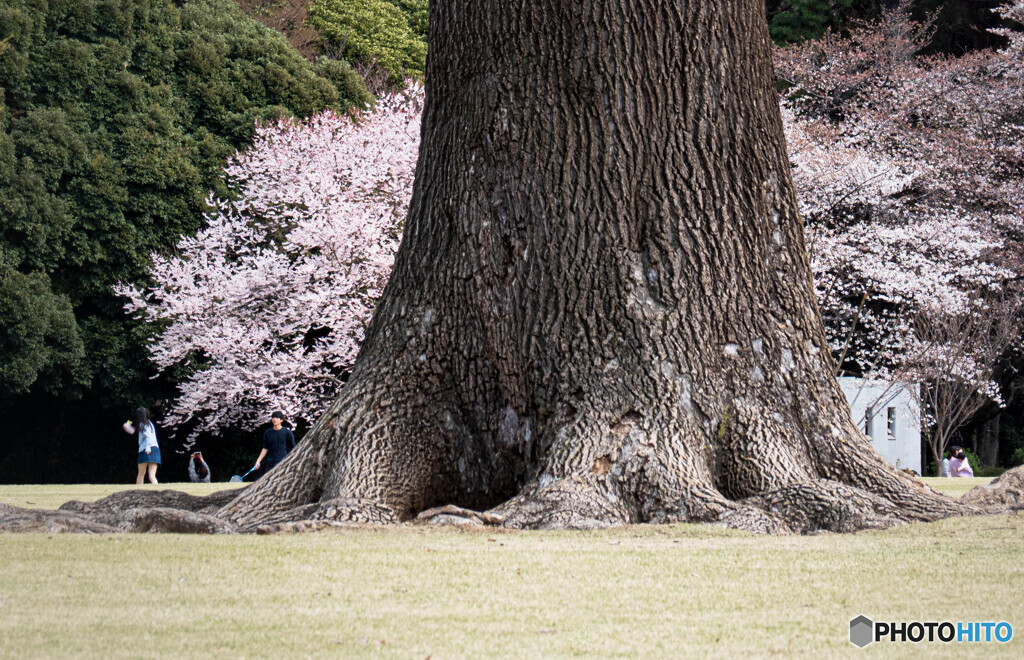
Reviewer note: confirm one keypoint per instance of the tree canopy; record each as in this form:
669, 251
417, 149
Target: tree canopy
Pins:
116, 118
387, 34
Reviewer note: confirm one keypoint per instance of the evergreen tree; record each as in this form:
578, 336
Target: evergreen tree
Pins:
387, 34
799, 20
115, 121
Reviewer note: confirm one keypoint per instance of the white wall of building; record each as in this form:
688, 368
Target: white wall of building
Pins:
889, 414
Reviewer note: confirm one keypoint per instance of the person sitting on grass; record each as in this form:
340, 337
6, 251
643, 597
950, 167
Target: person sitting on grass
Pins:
198, 470
958, 465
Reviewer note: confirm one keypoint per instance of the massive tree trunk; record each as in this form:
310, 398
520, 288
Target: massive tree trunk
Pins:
601, 311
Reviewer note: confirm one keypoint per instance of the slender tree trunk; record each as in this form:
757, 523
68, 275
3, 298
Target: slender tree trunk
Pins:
988, 441
936, 445
602, 310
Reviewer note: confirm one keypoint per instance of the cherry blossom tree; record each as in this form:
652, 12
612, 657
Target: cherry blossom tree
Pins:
908, 173
956, 356
267, 304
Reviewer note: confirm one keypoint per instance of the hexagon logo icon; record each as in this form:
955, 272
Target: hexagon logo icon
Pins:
861, 631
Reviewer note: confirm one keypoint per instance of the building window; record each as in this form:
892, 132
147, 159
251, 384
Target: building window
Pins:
892, 423
868, 414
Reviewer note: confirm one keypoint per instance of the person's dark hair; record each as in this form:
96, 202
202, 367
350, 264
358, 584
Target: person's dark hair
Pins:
278, 414
954, 449
200, 465
141, 417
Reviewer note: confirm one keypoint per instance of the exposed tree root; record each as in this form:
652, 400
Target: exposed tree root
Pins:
158, 511
457, 515
149, 519
1006, 493
142, 499
578, 502
587, 502
753, 519
351, 510
303, 527
17, 519
172, 521
343, 511
825, 505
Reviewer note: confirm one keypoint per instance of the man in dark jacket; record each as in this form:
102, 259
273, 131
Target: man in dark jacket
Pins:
277, 442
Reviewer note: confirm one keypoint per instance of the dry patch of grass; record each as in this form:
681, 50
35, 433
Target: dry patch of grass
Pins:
663, 591
407, 591
36, 496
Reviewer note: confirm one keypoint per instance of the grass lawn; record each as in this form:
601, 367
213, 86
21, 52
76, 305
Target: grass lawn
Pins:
37, 496
412, 592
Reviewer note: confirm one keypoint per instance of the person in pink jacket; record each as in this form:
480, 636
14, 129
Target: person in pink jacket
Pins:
958, 465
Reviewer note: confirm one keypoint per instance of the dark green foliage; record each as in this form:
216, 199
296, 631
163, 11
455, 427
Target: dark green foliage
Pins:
960, 25
417, 13
351, 87
116, 117
1011, 432
799, 20
37, 335
390, 34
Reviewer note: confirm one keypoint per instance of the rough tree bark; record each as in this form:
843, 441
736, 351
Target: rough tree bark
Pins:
601, 311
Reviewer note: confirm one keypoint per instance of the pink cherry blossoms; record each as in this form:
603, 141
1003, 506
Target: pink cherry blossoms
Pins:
266, 306
908, 170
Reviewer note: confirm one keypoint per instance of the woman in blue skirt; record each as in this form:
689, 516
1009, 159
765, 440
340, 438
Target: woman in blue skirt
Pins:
149, 449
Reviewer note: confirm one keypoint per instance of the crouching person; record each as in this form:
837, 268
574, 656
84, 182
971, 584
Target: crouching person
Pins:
198, 470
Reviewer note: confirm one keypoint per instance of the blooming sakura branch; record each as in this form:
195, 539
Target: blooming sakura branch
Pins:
908, 176
266, 306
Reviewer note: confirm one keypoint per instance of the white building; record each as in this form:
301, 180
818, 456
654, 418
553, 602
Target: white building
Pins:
889, 414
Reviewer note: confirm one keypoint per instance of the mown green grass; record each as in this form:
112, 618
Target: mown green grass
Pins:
955, 486
409, 592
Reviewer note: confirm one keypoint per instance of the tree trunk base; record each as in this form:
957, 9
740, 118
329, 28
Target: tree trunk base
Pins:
572, 503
